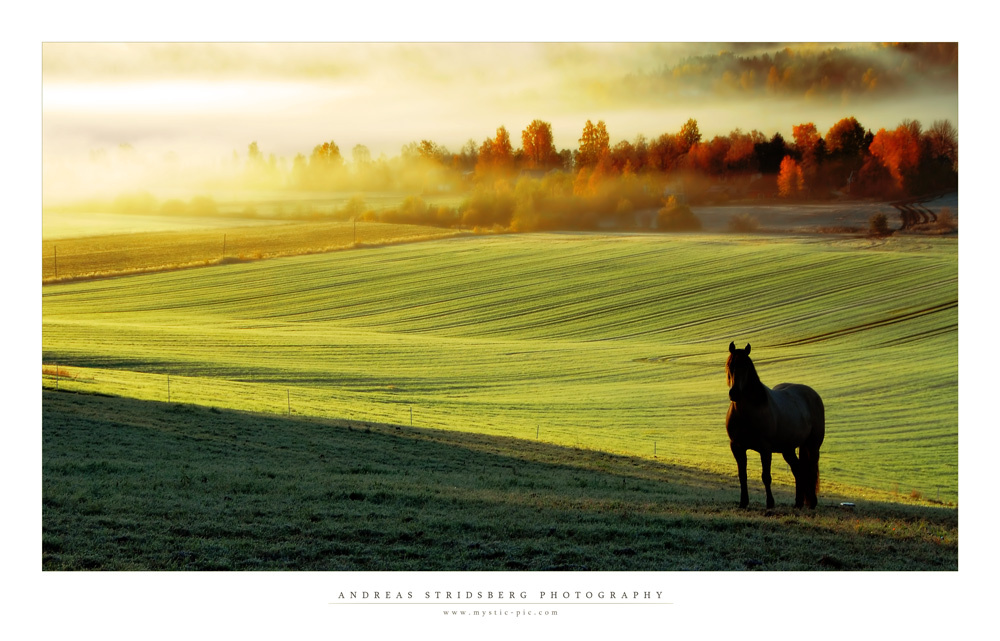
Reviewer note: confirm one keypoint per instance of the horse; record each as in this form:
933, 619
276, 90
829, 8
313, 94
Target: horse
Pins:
766, 420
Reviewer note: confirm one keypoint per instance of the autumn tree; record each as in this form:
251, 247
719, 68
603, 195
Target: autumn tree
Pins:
325, 163
594, 144
846, 139
468, 155
432, 152
688, 135
662, 153
261, 172
326, 155
790, 181
640, 152
623, 157
539, 150
806, 139
899, 152
709, 157
255, 166
496, 155
809, 145
361, 155
740, 156
846, 145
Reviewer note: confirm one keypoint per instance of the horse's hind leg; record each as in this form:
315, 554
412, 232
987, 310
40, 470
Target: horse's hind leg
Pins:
765, 475
740, 454
809, 462
793, 463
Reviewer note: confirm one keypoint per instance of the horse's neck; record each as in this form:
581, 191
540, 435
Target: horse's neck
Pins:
759, 395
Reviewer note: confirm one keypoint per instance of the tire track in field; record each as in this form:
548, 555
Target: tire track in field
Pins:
885, 322
566, 298
436, 284
514, 292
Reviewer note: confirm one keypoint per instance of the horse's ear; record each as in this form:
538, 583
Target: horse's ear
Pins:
748, 349
732, 347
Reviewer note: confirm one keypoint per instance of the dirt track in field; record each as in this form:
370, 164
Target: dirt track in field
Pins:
811, 217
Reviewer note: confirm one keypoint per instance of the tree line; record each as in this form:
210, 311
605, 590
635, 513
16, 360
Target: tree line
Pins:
848, 159
639, 183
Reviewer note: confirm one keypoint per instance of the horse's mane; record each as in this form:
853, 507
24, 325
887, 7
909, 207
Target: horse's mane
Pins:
754, 378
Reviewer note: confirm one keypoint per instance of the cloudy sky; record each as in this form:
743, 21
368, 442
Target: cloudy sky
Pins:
199, 102
289, 97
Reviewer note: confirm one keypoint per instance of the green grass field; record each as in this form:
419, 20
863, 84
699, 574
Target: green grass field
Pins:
141, 485
612, 343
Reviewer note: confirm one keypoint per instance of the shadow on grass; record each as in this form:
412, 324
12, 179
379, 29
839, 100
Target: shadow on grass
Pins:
135, 485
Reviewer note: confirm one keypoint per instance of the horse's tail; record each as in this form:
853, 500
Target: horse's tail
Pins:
809, 458
819, 432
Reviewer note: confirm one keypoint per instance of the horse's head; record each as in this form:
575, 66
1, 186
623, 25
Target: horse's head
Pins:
740, 372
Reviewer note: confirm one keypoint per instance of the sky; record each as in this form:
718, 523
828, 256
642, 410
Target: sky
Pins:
202, 101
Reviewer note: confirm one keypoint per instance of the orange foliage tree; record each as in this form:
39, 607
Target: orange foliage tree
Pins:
899, 152
594, 144
539, 150
790, 181
496, 155
807, 143
688, 135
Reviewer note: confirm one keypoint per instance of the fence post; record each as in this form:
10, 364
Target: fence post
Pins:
168, 388
288, 396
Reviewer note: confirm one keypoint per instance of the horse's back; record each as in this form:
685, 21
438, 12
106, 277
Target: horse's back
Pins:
802, 408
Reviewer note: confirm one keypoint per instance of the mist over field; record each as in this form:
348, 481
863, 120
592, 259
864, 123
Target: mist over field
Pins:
180, 117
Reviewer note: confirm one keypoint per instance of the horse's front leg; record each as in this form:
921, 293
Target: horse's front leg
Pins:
765, 475
740, 454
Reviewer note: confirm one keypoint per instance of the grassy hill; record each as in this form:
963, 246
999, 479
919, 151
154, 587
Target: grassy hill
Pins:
141, 485
115, 254
612, 343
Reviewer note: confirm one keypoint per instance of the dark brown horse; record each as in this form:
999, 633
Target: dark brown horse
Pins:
767, 421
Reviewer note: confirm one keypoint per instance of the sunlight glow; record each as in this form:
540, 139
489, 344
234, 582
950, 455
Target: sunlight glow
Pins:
187, 97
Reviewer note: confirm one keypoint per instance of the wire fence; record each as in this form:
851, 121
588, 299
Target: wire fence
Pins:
84, 257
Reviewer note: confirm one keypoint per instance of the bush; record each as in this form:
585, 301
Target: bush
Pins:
946, 221
743, 224
203, 206
674, 217
173, 207
140, 202
353, 208
878, 225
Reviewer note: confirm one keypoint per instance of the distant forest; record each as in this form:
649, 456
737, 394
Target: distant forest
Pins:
646, 182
